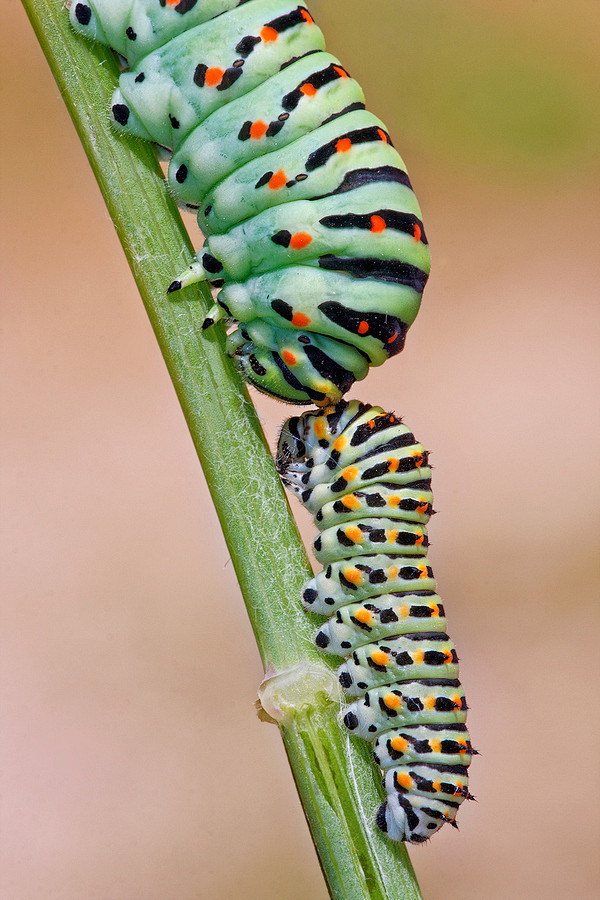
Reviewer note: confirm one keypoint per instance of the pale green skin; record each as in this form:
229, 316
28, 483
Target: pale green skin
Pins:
153, 24
159, 100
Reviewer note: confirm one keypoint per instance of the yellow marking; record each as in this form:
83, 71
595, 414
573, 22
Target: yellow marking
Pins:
435, 610
320, 428
430, 702
353, 533
363, 615
351, 502
380, 658
392, 701
353, 576
457, 699
404, 780
436, 745
399, 743
350, 473
436, 785
418, 656
394, 500
340, 443
422, 571
403, 611
392, 535
393, 572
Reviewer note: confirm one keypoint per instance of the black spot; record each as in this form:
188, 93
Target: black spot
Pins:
345, 680
174, 122
380, 818
310, 595
83, 14
120, 113
211, 263
139, 78
350, 721
131, 34
181, 174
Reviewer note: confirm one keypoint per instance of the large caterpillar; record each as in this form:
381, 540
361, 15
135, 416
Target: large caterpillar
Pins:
314, 234
367, 482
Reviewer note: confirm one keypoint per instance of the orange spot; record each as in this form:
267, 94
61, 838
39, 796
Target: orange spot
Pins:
417, 233
393, 572
268, 34
435, 610
306, 16
429, 702
309, 90
300, 240
380, 658
403, 611
463, 746
392, 701
392, 535
448, 654
393, 464
422, 571
353, 533
436, 746
172, 2
392, 337
436, 785
457, 699
382, 135
278, 180
363, 615
351, 502
289, 358
417, 656
341, 72
258, 129
422, 506
300, 320
399, 743
363, 327
353, 576
213, 76
394, 501
371, 424
418, 458
459, 787
350, 473
404, 780
343, 145
320, 428
377, 224
419, 540
340, 443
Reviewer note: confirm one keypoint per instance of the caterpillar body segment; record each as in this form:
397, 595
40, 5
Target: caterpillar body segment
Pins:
314, 237
366, 480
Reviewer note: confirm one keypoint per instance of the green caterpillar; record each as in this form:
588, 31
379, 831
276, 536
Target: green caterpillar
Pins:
365, 478
314, 235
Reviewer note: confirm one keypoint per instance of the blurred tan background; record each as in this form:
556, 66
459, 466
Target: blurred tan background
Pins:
120, 779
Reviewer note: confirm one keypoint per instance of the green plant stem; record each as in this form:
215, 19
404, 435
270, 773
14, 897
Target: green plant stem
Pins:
336, 778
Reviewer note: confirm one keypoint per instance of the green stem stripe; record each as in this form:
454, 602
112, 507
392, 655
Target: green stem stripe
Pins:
336, 779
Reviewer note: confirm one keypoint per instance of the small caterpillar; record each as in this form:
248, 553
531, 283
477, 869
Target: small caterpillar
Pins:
367, 481
314, 234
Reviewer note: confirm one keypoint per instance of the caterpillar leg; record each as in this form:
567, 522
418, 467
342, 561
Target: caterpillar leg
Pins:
204, 269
